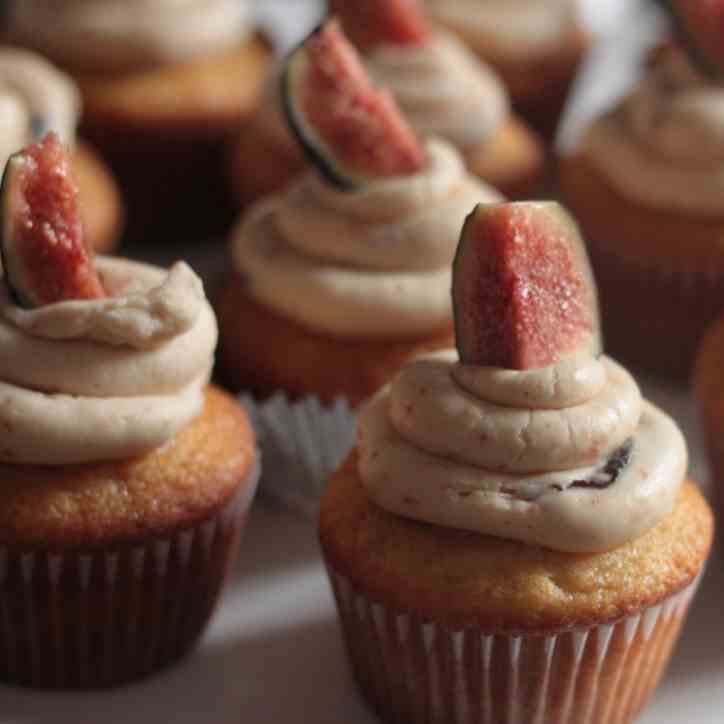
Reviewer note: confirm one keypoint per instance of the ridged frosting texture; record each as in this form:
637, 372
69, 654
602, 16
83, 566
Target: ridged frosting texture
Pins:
663, 147
510, 28
83, 381
35, 98
527, 455
116, 35
370, 263
443, 89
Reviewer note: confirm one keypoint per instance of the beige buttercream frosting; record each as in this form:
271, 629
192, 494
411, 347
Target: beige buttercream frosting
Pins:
510, 28
115, 35
110, 378
35, 98
522, 454
664, 145
443, 89
370, 263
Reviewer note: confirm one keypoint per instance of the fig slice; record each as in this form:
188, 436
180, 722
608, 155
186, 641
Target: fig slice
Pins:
351, 131
371, 23
700, 26
523, 291
44, 254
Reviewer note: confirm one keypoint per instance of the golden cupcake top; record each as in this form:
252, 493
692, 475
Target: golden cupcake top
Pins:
101, 360
526, 432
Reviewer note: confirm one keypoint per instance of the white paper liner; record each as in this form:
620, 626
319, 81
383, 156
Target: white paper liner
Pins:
414, 671
302, 443
89, 619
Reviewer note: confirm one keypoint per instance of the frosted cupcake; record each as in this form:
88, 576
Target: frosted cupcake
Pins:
126, 478
441, 87
535, 45
345, 275
163, 82
650, 201
514, 538
35, 97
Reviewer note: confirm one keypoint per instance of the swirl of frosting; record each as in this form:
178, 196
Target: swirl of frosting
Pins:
118, 35
108, 378
645, 146
372, 263
443, 89
510, 28
568, 457
35, 97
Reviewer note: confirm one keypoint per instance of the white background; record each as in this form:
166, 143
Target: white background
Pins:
274, 654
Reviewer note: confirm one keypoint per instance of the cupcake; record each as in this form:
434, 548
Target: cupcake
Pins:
343, 276
709, 393
164, 84
536, 46
126, 477
442, 88
513, 538
35, 97
645, 181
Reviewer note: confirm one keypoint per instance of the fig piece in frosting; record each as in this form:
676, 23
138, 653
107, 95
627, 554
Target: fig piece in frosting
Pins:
700, 24
372, 23
44, 253
350, 130
523, 293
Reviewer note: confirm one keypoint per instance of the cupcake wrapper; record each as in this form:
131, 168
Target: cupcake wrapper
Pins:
89, 619
414, 671
674, 306
302, 443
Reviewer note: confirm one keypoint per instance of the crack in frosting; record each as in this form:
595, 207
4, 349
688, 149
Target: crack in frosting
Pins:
568, 457
510, 29
35, 98
645, 147
443, 89
105, 379
119, 35
373, 263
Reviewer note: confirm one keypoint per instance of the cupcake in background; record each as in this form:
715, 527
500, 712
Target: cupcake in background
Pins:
441, 87
345, 275
536, 46
126, 477
36, 98
646, 181
514, 538
164, 84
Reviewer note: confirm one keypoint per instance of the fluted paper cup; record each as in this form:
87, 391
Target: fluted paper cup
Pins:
413, 671
302, 443
99, 618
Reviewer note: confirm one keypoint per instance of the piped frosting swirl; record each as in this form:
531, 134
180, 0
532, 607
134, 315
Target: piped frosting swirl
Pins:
443, 89
510, 29
35, 97
119, 35
568, 457
372, 263
108, 378
663, 146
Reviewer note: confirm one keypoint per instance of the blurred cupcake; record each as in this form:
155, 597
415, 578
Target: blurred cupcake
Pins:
345, 275
36, 98
536, 46
164, 83
513, 538
709, 393
442, 89
646, 183
126, 478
